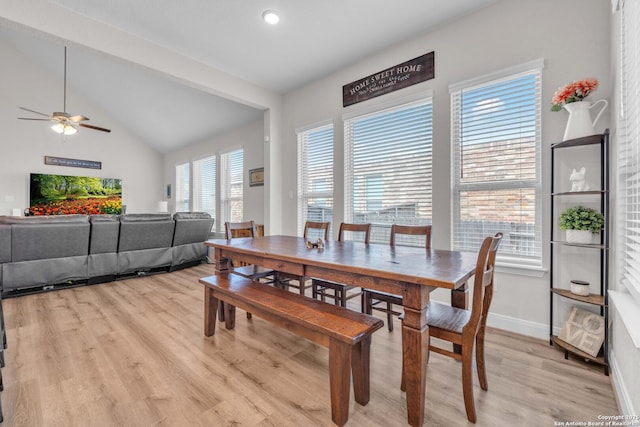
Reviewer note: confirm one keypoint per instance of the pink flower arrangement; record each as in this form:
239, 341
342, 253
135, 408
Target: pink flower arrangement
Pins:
573, 92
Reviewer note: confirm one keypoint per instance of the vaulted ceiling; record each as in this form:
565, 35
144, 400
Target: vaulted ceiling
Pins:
313, 39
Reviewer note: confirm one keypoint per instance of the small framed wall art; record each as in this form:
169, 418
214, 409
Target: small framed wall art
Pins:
256, 177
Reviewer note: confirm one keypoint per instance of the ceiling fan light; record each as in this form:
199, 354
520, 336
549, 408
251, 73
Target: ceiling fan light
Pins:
69, 130
58, 128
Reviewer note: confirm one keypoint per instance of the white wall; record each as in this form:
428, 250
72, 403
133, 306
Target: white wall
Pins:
506, 34
250, 138
24, 144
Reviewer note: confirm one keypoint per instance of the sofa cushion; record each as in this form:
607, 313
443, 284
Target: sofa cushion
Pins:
33, 240
5, 243
104, 233
145, 231
192, 227
45, 219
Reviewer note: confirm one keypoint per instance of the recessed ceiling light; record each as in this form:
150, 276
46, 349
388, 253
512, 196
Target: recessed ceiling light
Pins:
270, 17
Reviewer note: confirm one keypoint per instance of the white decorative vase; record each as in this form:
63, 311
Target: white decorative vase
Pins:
579, 236
580, 123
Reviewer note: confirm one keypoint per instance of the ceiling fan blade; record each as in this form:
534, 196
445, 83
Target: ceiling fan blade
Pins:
29, 118
94, 127
78, 118
33, 111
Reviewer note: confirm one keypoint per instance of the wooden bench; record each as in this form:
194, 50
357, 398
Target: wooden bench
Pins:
346, 333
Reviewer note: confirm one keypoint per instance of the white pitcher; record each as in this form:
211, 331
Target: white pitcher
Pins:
579, 123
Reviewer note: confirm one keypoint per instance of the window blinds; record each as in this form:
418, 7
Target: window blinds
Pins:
315, 175
204, 185
628, 235
495, 131
182, 187
388, 168
231, 186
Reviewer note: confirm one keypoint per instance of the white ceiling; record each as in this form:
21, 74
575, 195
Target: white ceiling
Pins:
313, 39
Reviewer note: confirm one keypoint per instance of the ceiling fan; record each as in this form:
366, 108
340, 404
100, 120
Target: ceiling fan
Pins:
64, 123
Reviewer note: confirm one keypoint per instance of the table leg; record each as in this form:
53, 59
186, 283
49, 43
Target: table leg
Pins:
460, 299
415, 352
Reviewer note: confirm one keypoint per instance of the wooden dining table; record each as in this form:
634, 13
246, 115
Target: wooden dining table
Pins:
402, 270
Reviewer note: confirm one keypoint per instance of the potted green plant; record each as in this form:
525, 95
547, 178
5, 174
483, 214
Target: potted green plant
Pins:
581, 223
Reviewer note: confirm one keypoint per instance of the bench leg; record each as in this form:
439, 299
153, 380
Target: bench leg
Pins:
210, 312
339, 380
360, 366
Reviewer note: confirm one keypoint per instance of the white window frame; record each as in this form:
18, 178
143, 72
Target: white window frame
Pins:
510, 261
626, 296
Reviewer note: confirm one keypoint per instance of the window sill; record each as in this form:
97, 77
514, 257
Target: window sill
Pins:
629, 311
520, 269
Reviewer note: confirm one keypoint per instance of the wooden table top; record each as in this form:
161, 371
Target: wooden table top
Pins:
435, 267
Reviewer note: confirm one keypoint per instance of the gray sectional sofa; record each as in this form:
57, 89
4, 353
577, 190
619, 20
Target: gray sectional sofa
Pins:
44, 252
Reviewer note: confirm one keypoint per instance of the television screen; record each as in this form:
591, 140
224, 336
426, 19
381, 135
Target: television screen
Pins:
63, 194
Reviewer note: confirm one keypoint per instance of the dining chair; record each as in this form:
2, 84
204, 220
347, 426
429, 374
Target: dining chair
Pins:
382, 301
464, 328
312, 230
339, 292
254, 272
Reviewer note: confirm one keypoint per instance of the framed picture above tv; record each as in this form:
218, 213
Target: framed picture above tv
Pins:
64, 194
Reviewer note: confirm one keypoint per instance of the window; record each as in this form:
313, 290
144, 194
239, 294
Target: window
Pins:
231, 187
182, 187
315, 175
204, 186
495, 131
628, 235
388, 167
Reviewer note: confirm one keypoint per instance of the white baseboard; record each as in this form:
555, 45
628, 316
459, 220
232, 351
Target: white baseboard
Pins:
619, 387
519, 326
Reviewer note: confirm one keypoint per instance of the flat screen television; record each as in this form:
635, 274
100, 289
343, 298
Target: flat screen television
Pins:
65, 194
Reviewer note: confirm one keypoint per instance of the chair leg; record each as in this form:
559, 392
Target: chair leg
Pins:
365, 302
403, 384
248, 315
480, 365
467, 381
343, 297
389, 317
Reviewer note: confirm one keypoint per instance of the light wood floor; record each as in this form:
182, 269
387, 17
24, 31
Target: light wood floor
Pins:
133, 353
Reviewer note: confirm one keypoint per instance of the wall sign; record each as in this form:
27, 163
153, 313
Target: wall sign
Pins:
74, 163
397, 77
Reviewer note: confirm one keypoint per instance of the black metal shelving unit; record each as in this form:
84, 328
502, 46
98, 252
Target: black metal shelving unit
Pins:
600, 300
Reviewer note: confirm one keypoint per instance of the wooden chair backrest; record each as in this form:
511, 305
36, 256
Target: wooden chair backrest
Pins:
356, 228
317, 225
240, 229
483, 283
412, 230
